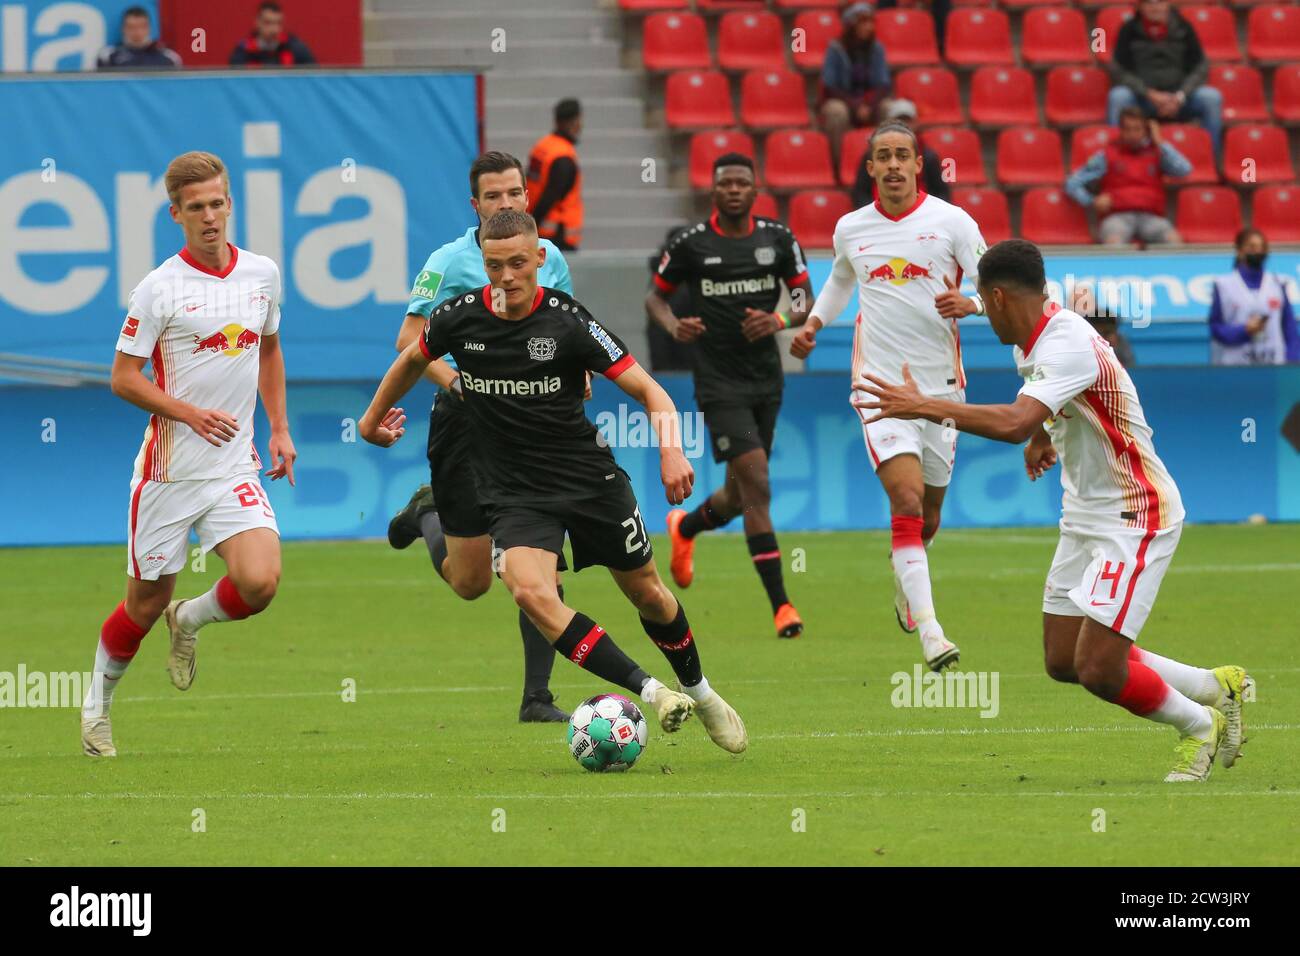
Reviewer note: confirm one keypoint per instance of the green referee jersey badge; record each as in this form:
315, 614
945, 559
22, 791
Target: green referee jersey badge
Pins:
427, 284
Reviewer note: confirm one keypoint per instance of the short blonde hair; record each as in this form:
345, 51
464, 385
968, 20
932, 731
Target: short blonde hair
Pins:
194, 167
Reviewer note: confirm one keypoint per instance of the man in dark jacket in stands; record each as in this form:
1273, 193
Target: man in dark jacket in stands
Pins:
269, 44
138, 49
1160, 67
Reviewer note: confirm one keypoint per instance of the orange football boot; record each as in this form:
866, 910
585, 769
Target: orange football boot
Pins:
788, 622
683, 561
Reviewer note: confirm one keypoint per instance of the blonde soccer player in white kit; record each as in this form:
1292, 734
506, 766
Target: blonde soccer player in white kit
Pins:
905, 255
1121, 514
207, 320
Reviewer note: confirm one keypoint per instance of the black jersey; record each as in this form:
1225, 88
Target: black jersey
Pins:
726, 277
523, 383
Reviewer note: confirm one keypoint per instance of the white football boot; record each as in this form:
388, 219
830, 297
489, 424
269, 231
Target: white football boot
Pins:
181, 662
97, 737
724, 725
673, 708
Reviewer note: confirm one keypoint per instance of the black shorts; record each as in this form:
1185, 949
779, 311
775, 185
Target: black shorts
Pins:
455, 488
739, 426
604, 527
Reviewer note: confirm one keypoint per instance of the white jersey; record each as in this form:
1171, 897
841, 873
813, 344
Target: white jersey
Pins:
899, 264
1109, 468
202, 330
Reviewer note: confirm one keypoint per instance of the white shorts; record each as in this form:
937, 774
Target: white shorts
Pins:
163, 512
934, 445
1111, 576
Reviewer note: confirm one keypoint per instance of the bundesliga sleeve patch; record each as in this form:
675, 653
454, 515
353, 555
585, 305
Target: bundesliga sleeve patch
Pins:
427, 285
132, 326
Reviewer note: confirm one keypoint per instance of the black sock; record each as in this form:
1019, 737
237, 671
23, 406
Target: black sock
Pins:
539, 653
767, 562
586, 644
703, 518
678, 644
434, 540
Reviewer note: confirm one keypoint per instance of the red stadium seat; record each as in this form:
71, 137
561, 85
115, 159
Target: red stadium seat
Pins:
644, 6
1243, 93
1217, 29
675, 41
988, 207
1194, 143
1286, 94
1049, 217
708, 145
1273, 33
1029, 156
695, 99
978, 38
719, 6
934, 91
765, 206
1076, 95
806, 4
770, 98
1208, 214
1087, 4
813, 215
798, 159
1277, 212
1051, 36
907, 36
962, 147
1025, 4
1257, 154
1003, 96
751, 41
819, 28
852, 148
1109, 20
1086, 140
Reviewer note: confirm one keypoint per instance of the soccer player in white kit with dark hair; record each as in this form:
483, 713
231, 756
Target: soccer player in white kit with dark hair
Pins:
1121, 514
905, 255
208, 321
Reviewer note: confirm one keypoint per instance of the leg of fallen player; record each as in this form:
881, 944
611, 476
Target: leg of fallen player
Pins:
664, 621
1106, 668
529, 573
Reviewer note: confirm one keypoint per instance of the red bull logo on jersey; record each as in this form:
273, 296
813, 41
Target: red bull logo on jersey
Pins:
230, 341
899, 271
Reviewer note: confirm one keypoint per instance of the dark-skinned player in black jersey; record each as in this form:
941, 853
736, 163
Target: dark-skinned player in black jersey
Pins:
524, 352
735, 264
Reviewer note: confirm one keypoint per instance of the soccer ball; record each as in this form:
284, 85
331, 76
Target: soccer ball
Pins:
607, 732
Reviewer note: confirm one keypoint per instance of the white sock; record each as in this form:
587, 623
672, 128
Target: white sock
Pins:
204, 609
698, 692
1184, 714
913, 571
108, 671
1198, 683
648, 690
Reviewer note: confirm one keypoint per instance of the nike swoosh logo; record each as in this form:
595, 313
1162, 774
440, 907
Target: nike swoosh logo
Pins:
1103, 604
866, 247
193, 308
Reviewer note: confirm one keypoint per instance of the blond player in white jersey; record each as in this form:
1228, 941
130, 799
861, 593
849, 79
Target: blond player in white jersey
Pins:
905, 255
207, 320
1121, 514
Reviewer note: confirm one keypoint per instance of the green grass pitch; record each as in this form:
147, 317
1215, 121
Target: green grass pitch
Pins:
429, 766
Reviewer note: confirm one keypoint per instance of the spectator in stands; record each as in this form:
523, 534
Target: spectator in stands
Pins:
1105, 320
1251, 319
138, 49
555, 181
855, 76
939, 10
1127, 175
269, 44
864, 186
666, 353
1159, 65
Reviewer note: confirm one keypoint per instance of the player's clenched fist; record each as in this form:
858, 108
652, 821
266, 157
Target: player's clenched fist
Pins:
386, 431
213, 425
804, 342
677, 475
950, 303
1040, 455
688, 328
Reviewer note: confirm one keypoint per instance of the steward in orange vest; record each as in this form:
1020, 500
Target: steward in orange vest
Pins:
554, 180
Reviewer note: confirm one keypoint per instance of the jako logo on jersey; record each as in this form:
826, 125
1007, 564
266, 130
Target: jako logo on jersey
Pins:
231, 341
738, 286
600, 335
541, 349
713, 261
898, 271
475, 347
509, 386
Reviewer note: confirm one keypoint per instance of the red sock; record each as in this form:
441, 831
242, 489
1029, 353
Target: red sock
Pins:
121, 635
234, 605
1144, 691
906, 531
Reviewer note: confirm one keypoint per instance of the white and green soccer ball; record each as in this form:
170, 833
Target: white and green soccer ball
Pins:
607, 732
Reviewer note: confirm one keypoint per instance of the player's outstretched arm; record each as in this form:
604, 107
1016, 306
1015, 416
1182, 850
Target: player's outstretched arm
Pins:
675, 471
127, 381
1009, 423
382, 424
271, 386
439, 372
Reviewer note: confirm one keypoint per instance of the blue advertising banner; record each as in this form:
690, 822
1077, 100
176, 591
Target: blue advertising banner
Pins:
347, 180
44, 36
1218, 430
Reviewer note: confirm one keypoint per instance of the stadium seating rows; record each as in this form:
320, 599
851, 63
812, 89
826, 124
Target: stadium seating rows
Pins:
732, 63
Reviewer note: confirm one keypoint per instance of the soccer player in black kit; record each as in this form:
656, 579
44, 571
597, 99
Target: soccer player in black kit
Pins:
735, 264
524, 352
